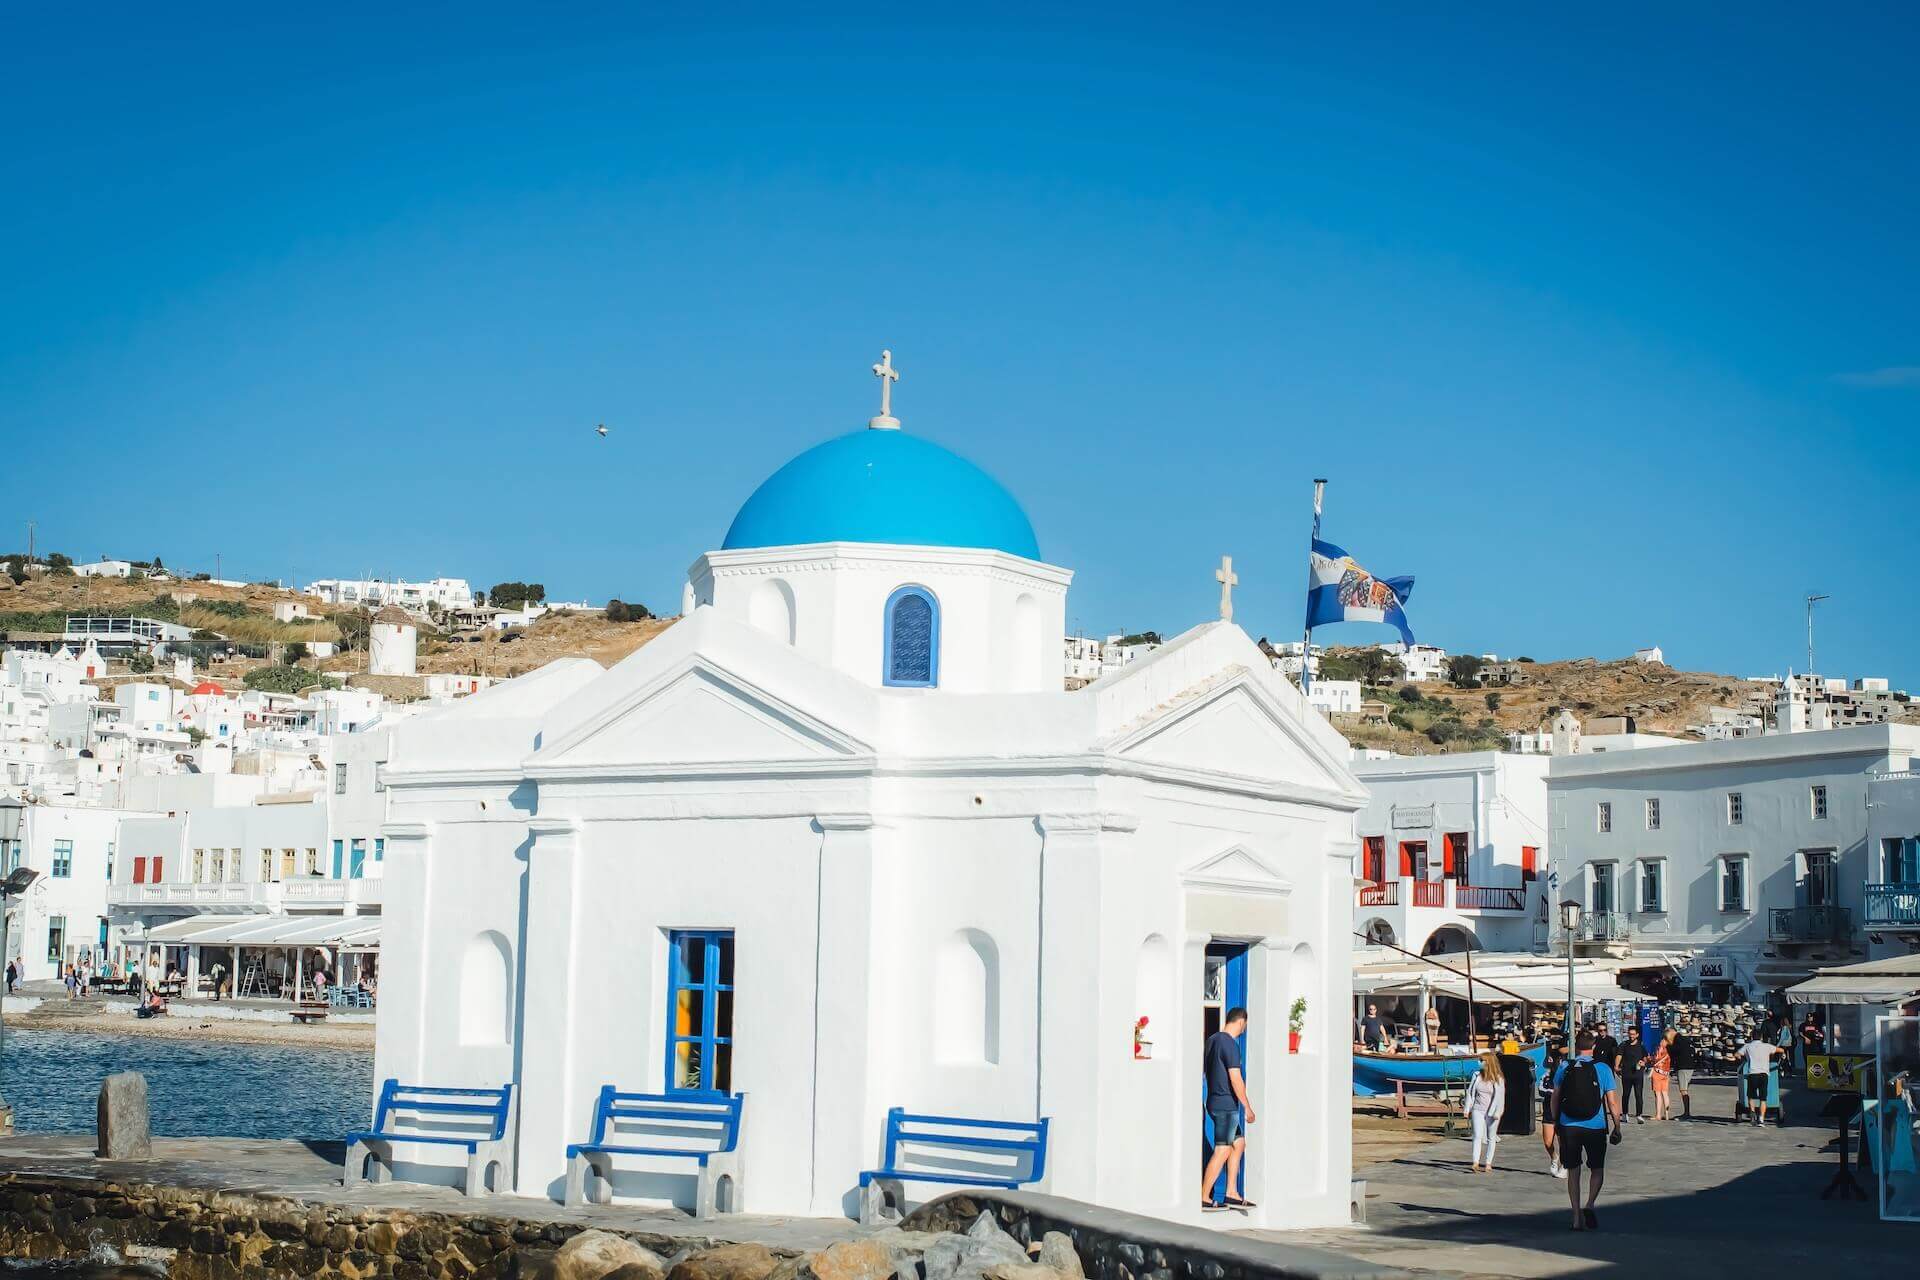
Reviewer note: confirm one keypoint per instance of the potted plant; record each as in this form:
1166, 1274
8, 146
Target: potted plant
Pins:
1142, 1047
1296, 1019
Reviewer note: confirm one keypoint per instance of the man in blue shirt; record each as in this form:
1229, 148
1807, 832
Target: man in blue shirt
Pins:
1586, 1109
1226, 1096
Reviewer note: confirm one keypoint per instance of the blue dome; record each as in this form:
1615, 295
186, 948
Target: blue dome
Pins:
881, 485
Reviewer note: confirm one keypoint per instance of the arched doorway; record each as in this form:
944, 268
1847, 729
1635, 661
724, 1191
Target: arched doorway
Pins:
1450, 939
1380, 933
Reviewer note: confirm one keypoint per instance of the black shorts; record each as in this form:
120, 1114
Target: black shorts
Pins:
1756, 1088
1582, 1146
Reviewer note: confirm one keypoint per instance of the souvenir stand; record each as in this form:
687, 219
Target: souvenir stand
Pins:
1890, 1120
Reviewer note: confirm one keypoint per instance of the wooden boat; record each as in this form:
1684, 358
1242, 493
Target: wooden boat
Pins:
1375, 1074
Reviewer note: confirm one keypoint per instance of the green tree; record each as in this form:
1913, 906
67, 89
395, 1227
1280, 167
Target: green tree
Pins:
1410, 694
58, 561
1493, 702
139, 663
282, 679
295, 653
1463, 670
512, 595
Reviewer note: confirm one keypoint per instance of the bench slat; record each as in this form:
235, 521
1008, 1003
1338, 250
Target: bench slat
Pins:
908, 1117
956, 1140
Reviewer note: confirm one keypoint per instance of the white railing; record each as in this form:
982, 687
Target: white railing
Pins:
240, 894
325, 891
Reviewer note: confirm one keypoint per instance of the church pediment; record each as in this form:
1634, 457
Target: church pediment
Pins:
1231, 730
1238, 870
699, 714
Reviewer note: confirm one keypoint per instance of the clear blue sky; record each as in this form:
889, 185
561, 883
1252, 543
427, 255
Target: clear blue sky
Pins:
1602, 326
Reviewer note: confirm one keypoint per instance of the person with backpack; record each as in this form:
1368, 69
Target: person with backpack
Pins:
1586, 1110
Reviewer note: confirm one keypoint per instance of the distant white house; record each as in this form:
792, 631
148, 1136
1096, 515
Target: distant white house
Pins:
1088, 659
1286, 658
105, 569
1332, 697
288, 610
1423, 662
1650, 654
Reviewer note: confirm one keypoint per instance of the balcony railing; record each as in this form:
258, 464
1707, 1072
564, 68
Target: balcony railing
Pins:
1483, 897
1429, 893
1380, 895
243, 895
315, 891
1809, 924
1893, 906
1603, 926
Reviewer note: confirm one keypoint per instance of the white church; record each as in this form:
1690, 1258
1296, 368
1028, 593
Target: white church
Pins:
840, 840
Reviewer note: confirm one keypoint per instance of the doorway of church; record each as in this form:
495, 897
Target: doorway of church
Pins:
1224, 987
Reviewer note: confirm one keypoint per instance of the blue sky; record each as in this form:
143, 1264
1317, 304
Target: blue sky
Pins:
1603, 326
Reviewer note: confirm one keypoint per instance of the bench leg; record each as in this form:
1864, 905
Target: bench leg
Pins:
479, 1162
576, 1181
353, 1170
874, 1197
367, 1162
1357, 1204
720, 1171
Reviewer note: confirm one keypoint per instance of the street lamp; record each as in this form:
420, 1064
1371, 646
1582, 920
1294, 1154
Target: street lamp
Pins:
1570, 921
13, 886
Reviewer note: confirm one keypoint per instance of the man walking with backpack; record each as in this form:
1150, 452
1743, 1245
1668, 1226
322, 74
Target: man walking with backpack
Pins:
1586, 1109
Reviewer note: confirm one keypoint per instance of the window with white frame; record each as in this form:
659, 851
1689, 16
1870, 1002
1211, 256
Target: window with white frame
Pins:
1736, 809
1819, 802
340, 779
1600, 889
1733, 882
1653, 885
1605, 815
62, 859
1653, 814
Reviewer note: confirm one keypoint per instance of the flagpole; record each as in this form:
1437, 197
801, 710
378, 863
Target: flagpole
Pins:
1306, 636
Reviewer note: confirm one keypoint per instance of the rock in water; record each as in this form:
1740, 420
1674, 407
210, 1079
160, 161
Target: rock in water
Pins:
122, 1118
593, 1254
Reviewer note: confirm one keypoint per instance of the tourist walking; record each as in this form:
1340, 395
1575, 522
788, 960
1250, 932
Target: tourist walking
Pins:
1685, 1059
1227, 1101
1812, 1039
1630, 1064
13, 977
1548, 1135
1586, 1105
219, 973
1660, 1075
1485, 1103
1756, 1057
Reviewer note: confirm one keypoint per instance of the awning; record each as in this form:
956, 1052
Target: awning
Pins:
354, 933
1586, 986
1890, 982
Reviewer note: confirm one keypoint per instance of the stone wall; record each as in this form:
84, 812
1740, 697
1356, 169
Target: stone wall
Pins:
200, 1235
1125, 1246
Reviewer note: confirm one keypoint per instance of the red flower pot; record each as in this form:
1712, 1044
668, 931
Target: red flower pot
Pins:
1293, 1042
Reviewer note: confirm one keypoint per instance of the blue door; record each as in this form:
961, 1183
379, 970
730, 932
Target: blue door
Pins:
1225, 988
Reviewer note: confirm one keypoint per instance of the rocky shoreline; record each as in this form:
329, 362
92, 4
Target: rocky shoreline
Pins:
190, 1022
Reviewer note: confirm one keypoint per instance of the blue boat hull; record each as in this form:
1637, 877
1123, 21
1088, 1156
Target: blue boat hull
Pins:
1379, 1073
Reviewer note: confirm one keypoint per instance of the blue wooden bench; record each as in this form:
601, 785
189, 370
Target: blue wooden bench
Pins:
702, 1127
481, 1120
962, 1152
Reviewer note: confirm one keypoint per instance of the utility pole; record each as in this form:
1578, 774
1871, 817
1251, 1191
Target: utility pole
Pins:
29, 544
1812, 600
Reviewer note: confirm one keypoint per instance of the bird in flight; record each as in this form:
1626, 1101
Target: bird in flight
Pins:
602, 429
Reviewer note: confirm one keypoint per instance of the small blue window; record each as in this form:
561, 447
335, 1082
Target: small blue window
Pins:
700, 1011
62, 859
912, 656
339, 858
357, 860
379, 849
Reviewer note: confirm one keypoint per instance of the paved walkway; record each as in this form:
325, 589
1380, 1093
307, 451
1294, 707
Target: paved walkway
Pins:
1703, 1198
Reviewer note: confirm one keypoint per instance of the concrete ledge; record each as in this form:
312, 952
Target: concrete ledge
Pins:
1129, 1246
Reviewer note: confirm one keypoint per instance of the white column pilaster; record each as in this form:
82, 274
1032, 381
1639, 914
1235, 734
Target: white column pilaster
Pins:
549, 998
847, 1116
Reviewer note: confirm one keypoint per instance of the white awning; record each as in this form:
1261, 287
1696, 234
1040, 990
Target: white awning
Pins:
1540, 990
355, 933
1889, 982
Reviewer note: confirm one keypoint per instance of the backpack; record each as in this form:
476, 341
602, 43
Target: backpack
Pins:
1580, 1092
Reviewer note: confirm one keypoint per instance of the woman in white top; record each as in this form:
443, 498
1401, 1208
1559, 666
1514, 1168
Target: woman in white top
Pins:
1485, 1103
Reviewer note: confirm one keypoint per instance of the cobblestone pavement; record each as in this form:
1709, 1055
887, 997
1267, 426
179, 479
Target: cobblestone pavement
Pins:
1706, 1197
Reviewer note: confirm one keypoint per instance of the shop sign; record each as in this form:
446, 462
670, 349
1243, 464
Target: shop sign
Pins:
1839, 1071
1711, 970
1406, 816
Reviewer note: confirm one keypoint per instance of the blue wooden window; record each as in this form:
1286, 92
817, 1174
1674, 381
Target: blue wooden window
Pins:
379, 849
700, 1011
339, 858
62, 859
357, 863
912, 640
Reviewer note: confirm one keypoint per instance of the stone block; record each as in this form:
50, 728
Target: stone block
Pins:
122, 1121
853, 1260
727, 1262
594, 1254
1057, 1252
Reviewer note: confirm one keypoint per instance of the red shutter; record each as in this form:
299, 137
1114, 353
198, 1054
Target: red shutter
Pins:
139, 870
1529, 862
1375, 862
1406, 859
1449, 861
156, 871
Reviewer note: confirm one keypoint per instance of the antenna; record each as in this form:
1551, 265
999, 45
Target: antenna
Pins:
1812, 600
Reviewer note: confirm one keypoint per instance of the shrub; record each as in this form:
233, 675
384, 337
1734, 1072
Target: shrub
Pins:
282, 679
1493, 702
140, 663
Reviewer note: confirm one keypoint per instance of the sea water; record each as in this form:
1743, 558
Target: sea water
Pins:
194, 1088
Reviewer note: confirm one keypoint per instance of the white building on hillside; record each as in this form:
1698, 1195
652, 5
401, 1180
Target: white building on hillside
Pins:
62, 920
105, 569
1453, 852
443, 593
1331, 697
1423, 662
849, 845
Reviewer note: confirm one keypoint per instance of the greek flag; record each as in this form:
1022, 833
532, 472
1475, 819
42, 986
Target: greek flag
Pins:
1339, 590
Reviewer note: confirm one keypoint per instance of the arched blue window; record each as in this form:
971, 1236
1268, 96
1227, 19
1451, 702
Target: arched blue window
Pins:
912, 640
